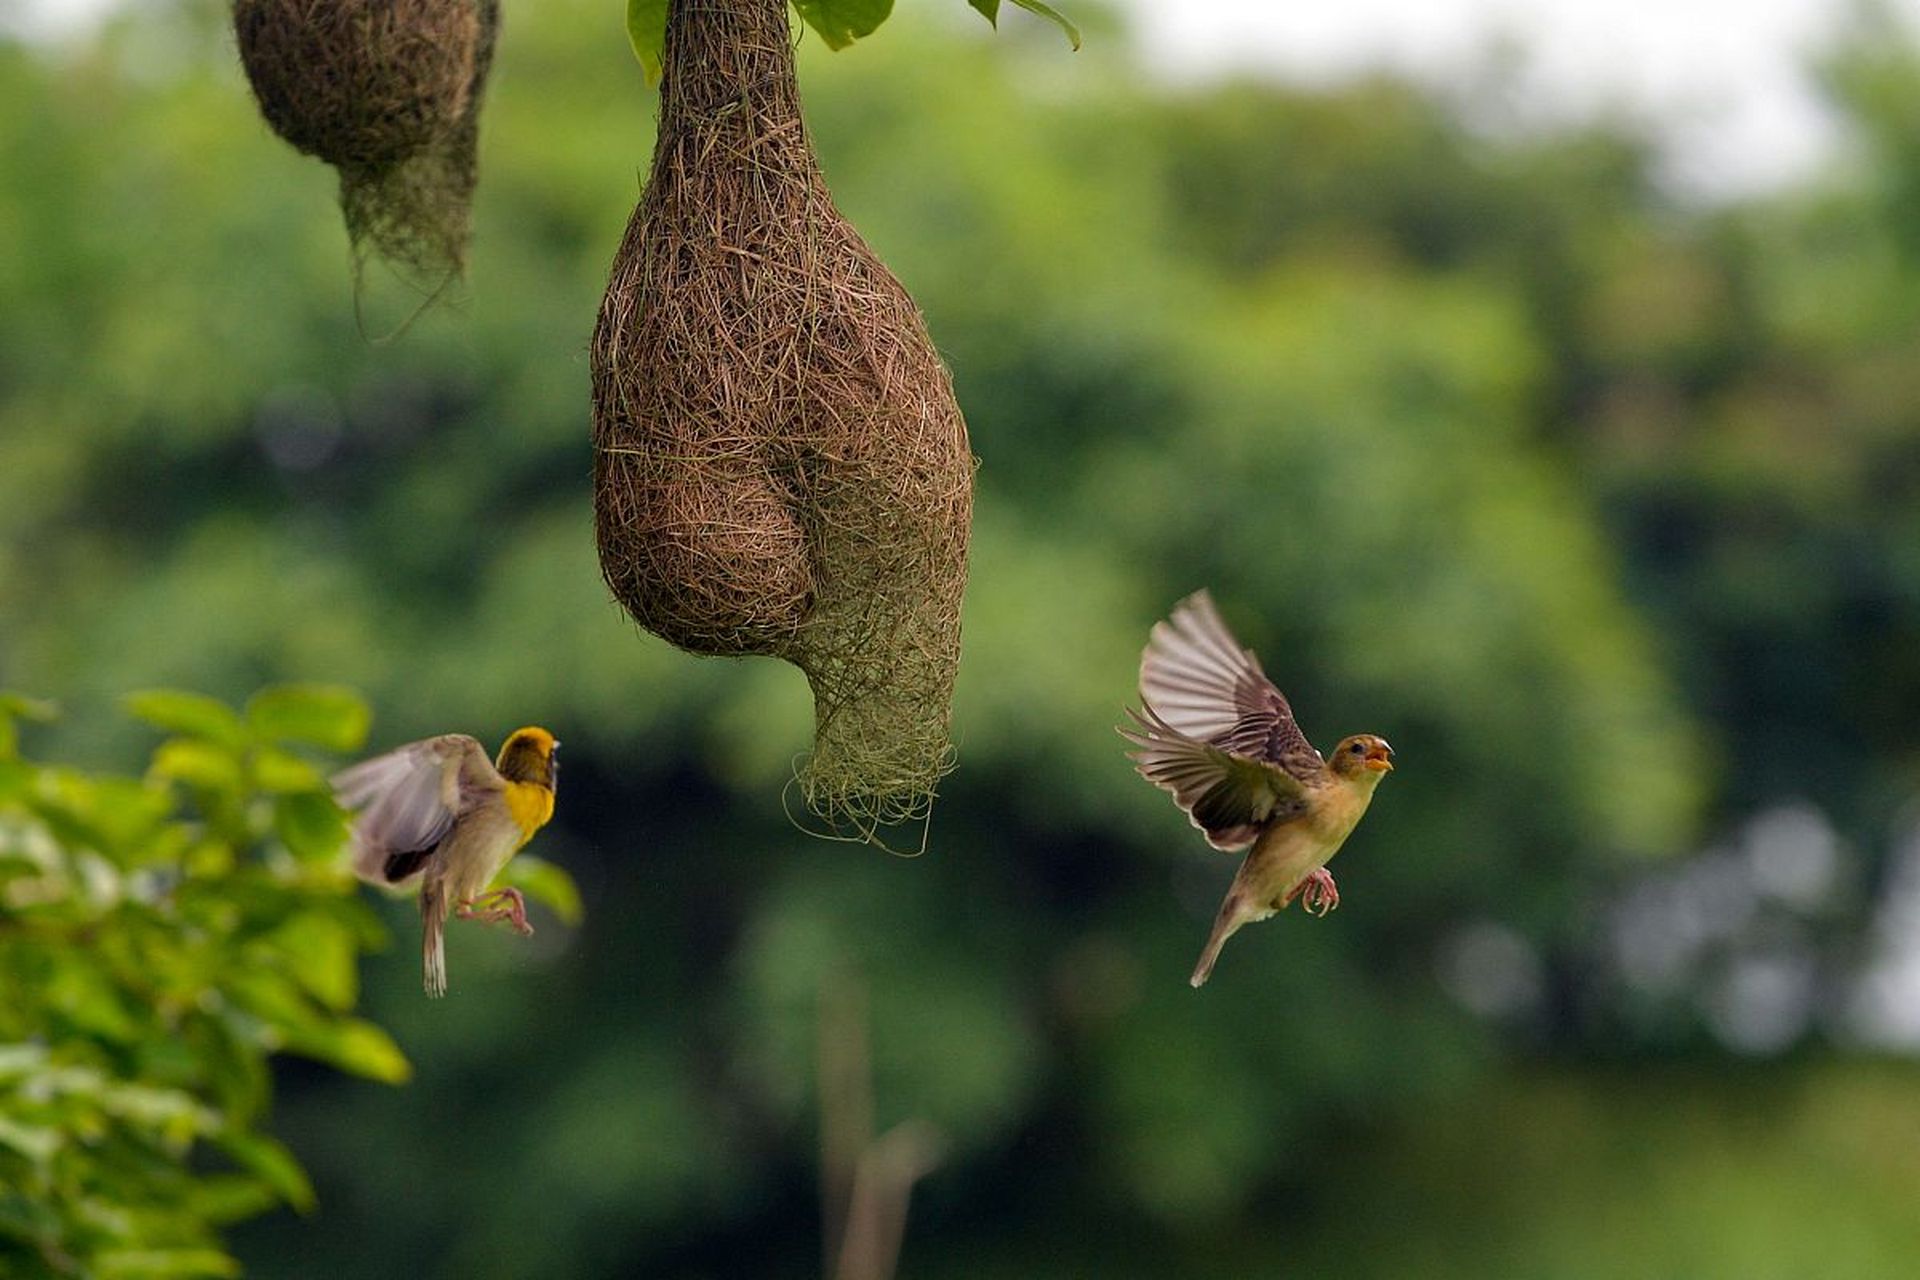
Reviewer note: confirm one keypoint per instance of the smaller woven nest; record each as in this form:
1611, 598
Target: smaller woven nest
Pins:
388, 92
780, 466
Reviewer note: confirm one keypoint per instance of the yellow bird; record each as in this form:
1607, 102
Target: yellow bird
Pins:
1221, 738
438, 814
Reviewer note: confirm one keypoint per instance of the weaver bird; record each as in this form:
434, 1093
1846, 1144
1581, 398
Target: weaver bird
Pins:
437, 814
1217, 734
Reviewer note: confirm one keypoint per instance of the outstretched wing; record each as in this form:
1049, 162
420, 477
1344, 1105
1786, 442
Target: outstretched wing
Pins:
1203, 685
1227, 795
407, 800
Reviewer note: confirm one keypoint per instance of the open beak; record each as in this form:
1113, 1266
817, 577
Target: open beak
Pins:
1379, 758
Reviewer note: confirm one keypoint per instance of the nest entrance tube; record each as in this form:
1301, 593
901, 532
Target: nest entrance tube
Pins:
780, 467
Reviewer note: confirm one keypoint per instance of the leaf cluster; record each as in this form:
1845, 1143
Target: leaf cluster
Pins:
838, 22
161, 937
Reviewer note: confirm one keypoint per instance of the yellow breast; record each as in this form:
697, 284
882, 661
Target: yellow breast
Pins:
531, 806
1338, 811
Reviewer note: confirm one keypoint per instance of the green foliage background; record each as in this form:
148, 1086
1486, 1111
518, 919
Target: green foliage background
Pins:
1601, 507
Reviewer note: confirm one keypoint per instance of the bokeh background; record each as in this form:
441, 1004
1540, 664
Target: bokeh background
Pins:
1599, 497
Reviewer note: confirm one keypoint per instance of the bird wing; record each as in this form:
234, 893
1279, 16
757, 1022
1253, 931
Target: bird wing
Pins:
1229, 796
407, 800
1205, 686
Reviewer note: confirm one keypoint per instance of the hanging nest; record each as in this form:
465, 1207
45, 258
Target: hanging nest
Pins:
387, 92
780, 467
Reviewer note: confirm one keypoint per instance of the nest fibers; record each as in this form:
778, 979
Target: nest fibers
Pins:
388, 93
780, 467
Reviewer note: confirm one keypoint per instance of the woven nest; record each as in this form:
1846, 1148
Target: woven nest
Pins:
780, 466
387, 92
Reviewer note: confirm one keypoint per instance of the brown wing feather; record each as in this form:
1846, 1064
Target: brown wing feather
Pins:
1207, 687
405, 802
1229, 796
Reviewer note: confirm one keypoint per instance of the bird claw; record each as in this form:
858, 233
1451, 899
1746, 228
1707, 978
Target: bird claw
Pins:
501, 904
1318, 893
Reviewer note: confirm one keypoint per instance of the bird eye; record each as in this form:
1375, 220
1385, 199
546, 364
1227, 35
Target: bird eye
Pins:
1356, 748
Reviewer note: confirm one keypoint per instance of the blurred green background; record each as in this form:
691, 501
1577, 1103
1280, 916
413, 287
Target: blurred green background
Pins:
1603, 506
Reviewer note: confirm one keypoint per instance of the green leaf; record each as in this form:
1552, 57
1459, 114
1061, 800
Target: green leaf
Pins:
357, 1046
647, 33
36, 1143
273, 1164
18, 1060
320, 953
278, 1000
113, 815
223, 1199
323, 715
197, 762
170, 1111
310, 824
841, 22
16, 776
162, 1264
225, 1050
367, 1050
989, 9
546, 883
17, 706
87, 998
190, 713
280, 771
1050, 14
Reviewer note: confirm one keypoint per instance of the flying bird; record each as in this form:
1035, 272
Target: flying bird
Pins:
1219, 736
438, 814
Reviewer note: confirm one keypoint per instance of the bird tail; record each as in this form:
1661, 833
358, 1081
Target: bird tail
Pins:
433, 948
1224, 927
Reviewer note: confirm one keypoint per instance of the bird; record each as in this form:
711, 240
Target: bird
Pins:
1218, 735
438, 814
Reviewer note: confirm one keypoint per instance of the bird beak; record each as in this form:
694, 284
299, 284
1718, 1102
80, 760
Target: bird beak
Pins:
1378, 758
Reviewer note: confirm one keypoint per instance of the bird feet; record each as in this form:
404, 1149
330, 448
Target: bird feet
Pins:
500, 904
1318, 893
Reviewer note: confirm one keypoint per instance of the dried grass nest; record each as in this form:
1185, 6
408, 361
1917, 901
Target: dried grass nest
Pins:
388, 92
780, 465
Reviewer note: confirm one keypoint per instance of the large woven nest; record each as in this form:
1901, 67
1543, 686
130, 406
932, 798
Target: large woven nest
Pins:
387, 92
780, 467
